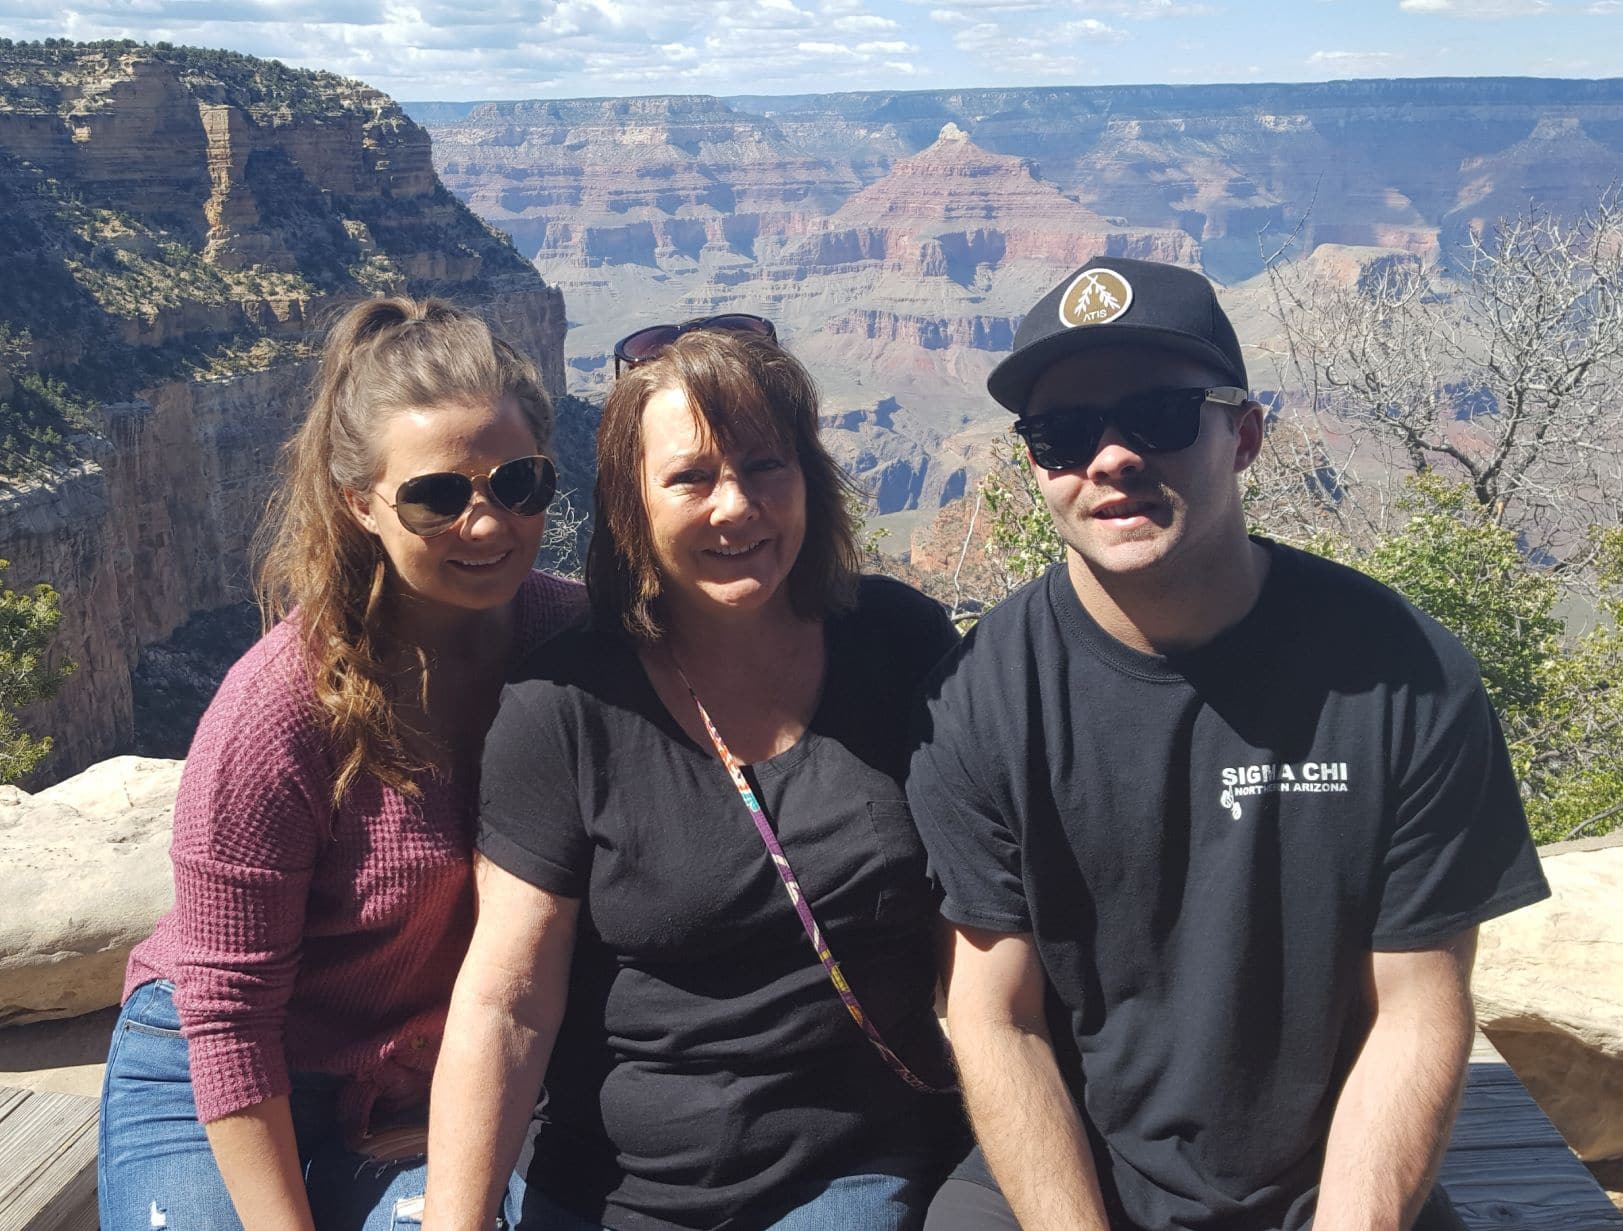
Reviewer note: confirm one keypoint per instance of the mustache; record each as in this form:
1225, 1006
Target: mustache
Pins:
1147, 488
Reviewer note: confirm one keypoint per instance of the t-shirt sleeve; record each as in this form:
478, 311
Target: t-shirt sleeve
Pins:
938, 636
1460, 851
975, 857
529, 810
915, 630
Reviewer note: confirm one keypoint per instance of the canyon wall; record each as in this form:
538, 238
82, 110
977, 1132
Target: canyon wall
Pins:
182, 224
897, 237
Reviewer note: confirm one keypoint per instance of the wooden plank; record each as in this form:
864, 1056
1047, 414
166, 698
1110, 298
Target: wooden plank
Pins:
47, 1161
1507, 1168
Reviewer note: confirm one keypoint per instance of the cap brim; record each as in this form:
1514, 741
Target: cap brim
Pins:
1011, 382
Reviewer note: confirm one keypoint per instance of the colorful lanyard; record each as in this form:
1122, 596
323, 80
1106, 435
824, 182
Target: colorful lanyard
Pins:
831, 966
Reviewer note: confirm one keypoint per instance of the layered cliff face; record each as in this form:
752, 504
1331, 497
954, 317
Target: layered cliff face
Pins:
896, 238
179, 225
899, 292
165, 197
1381, 163
631, 180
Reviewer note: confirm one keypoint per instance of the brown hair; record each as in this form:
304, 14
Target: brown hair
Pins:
745, 389
382, 356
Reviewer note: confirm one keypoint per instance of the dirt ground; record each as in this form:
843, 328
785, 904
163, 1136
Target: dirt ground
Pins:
66, 1057
1609, 1175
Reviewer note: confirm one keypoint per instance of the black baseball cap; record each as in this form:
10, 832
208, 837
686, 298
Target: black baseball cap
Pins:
1111, 301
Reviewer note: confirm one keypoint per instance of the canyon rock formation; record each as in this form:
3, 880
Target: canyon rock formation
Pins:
896, 237
179, 225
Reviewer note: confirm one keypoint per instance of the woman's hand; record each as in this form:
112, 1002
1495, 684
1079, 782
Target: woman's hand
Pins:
505, 1011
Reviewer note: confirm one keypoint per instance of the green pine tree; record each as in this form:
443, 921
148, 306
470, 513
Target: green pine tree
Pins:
28, 622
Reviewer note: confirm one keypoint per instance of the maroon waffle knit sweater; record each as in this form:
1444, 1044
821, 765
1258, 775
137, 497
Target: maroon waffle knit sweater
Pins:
308, 938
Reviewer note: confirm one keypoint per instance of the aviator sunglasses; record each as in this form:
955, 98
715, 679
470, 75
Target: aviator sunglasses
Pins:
430, 504
651, 342
1154, 421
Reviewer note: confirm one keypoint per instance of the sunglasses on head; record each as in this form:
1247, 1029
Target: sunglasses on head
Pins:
651, 342
430, 504
1154, 421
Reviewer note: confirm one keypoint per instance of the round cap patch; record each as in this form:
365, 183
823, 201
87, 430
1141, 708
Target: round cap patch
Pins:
1095, 297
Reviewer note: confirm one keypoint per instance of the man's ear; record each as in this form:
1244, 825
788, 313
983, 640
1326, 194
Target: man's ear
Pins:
359, 505
1248, 430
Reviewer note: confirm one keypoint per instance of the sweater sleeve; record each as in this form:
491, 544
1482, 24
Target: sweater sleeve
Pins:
251, 817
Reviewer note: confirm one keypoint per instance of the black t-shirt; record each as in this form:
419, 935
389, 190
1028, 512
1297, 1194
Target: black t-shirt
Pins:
1204, 848
706, 1065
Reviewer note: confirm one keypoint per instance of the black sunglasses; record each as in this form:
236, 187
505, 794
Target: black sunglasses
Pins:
430, 504
1154, 421
651, 342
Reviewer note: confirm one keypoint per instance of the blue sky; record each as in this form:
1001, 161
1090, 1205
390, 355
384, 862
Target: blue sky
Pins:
484, 49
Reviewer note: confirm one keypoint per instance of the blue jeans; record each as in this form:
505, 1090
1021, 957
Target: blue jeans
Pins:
155, 1169
872, 1201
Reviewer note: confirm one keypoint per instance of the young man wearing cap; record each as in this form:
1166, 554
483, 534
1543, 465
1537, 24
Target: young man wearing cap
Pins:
1214, 820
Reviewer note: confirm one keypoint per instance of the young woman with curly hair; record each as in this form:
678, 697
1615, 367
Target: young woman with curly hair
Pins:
271, 1064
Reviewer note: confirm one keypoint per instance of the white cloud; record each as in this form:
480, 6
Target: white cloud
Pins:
518, 48
1477, 10
1090, 29
1057, 12
861, 23
949, 9
1355, 63
1051, 52
420, 49
1149, 10
424, 49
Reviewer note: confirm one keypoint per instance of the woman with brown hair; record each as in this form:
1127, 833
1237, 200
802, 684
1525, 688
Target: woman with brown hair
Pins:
703, 908
280, 1026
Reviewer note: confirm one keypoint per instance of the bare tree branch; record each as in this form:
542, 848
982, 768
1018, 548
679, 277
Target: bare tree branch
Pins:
1501, 371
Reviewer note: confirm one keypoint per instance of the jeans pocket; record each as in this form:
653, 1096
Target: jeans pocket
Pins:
350, 1190
150, 1009
408, 1213
157, 1032
148, 1047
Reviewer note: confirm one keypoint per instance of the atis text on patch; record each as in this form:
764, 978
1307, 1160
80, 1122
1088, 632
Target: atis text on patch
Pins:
1096, 297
